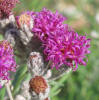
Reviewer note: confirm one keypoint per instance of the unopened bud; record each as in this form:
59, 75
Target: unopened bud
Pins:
26, 18
35, 64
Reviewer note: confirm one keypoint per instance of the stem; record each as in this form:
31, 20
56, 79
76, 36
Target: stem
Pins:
9, 91
57, 76
47, 67
49, 63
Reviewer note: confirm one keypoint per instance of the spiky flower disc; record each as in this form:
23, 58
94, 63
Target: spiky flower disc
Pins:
7, 61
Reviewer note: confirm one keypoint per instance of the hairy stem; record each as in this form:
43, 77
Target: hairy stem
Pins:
7, 85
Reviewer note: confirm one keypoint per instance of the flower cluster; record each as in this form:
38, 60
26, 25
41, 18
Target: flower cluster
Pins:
67, 47
61, 44
6, 7
7, 62
47, 23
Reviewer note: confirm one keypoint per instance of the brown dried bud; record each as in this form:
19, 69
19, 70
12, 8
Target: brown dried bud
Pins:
38, 84
46, 99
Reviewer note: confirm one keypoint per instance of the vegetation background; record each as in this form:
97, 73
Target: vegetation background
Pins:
83, 16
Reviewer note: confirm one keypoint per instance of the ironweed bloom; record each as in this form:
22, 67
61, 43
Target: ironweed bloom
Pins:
46, 23
7, 61
62, 45
6, 7
67, 47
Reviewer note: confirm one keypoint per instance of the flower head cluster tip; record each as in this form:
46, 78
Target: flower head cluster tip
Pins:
6, 7
26, 18
7, 62
62, 45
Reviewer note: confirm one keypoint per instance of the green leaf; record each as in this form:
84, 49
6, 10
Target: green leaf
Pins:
20, 75
2, 93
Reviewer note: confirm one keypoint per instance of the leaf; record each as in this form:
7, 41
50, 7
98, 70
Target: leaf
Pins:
20, 75
2, 93
57, 92
57, 85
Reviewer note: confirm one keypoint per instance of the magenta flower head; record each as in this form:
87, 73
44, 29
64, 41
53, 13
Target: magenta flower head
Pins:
7, 61
26, 18
46, 22
68, 48
6, 7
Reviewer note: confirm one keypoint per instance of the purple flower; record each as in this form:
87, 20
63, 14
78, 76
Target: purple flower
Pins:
7, 62
67, 47
46, 23
6, 7
62, 45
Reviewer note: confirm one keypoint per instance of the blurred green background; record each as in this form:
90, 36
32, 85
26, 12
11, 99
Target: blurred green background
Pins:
83, 16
